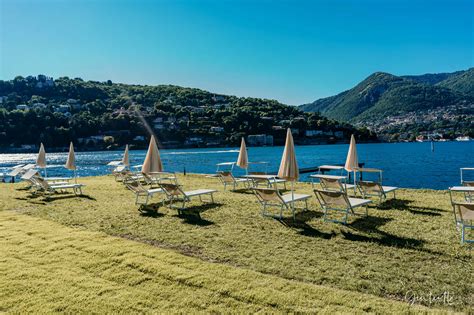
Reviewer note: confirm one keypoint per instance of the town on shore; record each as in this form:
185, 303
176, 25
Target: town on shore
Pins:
106, 116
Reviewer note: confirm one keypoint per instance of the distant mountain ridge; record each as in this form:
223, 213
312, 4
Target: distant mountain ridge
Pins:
382, 98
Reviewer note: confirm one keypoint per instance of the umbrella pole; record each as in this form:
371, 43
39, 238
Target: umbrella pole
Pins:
45, 173
354, 182
293, 198
75, 177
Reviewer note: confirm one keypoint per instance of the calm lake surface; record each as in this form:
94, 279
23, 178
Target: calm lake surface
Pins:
410, 165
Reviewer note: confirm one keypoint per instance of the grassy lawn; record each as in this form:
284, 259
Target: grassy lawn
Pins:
407, 249
47, 267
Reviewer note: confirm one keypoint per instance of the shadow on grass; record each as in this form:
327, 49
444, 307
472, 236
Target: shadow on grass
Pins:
304, 229
192, 215
371, 225
405, 205
23, 188
66, 196
151, 210
243, 191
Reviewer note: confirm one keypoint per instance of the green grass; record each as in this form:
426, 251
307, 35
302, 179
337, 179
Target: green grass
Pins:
47, 267
405, 248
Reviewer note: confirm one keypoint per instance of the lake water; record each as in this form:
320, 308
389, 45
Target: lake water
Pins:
410, 165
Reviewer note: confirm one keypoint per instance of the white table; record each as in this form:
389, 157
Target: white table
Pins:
270, 179
338, 177
462, 188
468, 192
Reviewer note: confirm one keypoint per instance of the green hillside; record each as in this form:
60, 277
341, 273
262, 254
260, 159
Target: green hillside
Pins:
391, 104
461, 82
101, 115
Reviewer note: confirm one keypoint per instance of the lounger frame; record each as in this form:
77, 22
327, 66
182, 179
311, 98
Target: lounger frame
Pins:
272, 197
338, 201
175, 195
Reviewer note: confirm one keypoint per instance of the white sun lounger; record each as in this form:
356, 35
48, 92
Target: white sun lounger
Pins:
143, 195
464, 218
374, 189
176, 194
47, 188
339, 201
272, 197
228, 179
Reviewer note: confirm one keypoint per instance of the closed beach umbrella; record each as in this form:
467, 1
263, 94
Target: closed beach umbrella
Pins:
71, 160
125, 159
288, 165
243, 160
352, 161
152, 161
41, 159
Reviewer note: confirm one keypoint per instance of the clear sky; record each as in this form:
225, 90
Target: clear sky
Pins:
292, 51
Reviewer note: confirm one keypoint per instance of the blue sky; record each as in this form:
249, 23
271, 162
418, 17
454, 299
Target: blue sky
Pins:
292, 51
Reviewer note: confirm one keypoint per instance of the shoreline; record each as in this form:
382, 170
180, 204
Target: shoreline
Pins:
138, 148
212, 176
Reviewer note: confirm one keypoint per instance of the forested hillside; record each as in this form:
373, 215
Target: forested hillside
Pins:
402, 107
106, 115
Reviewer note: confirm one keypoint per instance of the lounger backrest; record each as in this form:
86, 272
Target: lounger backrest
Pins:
119, 169
227, 177
468, 183
268, 195
128, 177
370, 187
331, 184
15, 171
41, 182
329, 198
464, 211
171, 189
148, 178
260, 180
29, 174
135, 186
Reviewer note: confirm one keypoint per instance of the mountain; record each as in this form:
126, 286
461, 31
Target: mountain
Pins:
390, 104
463, 82
431, 78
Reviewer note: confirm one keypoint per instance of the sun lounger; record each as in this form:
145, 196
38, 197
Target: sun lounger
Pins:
272, 197
228, 179
27, 167
57, 180
128, 176
176, 194
374, 189
468, 195
330, 182
338, 201
464, 218
28, 177
47, 188
15, 172
121, 175
142, 194
31, 177
159, 177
